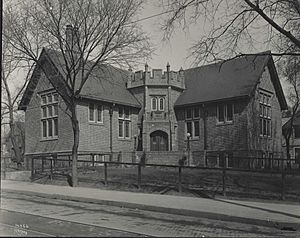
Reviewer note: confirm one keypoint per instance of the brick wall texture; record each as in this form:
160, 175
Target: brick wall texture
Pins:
241, 135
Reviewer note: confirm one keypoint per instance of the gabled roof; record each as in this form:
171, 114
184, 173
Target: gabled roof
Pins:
286, 121
105, 83
235, 78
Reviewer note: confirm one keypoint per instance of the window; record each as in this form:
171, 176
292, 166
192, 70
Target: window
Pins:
188, 113
297, 132
192, 116
121, 128
196, 128
196, 112
265, 121
154, 104
161, 104
99, 113
226, 159
225, 113
95, 113
189, 127
230, 161
124, 122
49, 119
158, 103
297, 155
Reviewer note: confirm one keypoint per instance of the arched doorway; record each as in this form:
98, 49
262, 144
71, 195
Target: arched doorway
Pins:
159, 141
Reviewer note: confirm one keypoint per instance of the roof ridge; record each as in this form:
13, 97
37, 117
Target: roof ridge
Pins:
263, 53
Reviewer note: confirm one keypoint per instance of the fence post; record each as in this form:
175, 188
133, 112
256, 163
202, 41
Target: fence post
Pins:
283, 185
139, 175
93, 160
69, 160
32, 167
224, 181
51, 168
179, 179
105, 173
42, 164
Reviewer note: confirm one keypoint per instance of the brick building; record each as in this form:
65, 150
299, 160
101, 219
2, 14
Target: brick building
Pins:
231, 108
294, 141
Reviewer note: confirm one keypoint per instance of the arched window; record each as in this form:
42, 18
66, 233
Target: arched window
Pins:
161, 104
154, 104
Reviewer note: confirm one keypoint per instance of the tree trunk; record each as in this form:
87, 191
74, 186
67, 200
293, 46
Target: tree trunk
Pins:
11, 122
288, 155
75, 126
13, 138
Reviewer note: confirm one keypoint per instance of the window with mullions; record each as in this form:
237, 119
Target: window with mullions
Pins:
49, 118
124, 122
95, 113
265, 121
158, 103
192, 116
225, 113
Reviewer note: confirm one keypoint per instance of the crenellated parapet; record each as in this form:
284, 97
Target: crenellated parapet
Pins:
157, 77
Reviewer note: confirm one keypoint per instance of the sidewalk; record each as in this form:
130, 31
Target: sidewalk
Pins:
259, 213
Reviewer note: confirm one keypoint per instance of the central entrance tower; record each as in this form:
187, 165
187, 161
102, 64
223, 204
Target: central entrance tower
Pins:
157, 93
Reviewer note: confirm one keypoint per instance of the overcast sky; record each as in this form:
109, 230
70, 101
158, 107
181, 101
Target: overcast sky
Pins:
176, 50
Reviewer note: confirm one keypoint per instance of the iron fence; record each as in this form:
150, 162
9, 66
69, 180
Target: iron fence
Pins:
54, 164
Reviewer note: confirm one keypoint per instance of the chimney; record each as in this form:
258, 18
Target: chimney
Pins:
168, 72
72, 39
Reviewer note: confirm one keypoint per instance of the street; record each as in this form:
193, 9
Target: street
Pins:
24, 215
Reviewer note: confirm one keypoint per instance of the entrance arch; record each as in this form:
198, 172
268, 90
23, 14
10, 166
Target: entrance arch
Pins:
159, 141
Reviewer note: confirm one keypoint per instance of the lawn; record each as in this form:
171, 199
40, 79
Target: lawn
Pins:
195, 182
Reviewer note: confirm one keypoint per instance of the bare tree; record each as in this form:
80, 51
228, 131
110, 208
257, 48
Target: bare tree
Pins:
12, 91
103, 33
292, 73
232, 27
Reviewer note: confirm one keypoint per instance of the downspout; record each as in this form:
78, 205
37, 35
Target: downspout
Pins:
204, 128
204, 134
169, 112
110, 129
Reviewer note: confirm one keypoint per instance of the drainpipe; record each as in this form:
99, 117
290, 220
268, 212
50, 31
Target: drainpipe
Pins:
110, 129
204, 132
169, 111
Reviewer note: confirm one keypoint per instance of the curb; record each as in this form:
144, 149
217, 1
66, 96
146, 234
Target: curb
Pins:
185, 212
